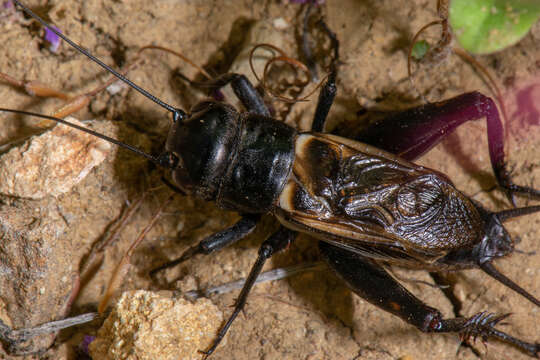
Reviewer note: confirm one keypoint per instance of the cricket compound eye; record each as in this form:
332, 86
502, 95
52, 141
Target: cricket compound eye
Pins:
181, 177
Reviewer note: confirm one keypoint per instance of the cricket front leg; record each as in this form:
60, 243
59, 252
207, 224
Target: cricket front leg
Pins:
329, 89
371, 282
216, 242
413, 132
243, 89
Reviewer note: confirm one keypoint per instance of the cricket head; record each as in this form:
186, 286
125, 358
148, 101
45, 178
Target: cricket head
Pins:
203, 143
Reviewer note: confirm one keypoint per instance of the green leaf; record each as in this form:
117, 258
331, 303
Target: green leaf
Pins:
419, 50
485, 26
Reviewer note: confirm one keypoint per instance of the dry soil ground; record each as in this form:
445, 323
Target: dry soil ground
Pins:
309, 316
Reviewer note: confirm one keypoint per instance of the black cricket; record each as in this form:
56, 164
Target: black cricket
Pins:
365, 202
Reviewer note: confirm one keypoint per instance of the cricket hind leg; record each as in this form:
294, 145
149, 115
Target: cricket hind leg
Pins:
371, 282
413, 132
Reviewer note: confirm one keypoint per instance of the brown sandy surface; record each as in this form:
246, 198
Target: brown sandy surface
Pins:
309, 316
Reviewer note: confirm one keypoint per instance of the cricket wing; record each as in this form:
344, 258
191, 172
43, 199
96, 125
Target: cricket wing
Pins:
370, 202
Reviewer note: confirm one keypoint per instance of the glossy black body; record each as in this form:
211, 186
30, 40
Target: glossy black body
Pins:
260, 166
239, 160
349, 194
368, 207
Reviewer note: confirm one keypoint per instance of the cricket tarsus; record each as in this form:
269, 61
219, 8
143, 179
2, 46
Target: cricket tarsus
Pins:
329, 90
482, 325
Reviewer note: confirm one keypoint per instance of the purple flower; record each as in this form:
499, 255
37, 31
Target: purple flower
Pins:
316, 2
87, 339
52, 39
7, 4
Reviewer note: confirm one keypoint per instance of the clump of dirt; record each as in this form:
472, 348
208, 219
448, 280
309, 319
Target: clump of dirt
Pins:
145, 325
312, 315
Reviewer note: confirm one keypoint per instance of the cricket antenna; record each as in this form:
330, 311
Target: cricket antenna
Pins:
166, 159
177, 113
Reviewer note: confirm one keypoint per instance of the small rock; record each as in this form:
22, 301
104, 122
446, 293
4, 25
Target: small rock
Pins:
50, 163
34, 258
280, 23
146, 325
